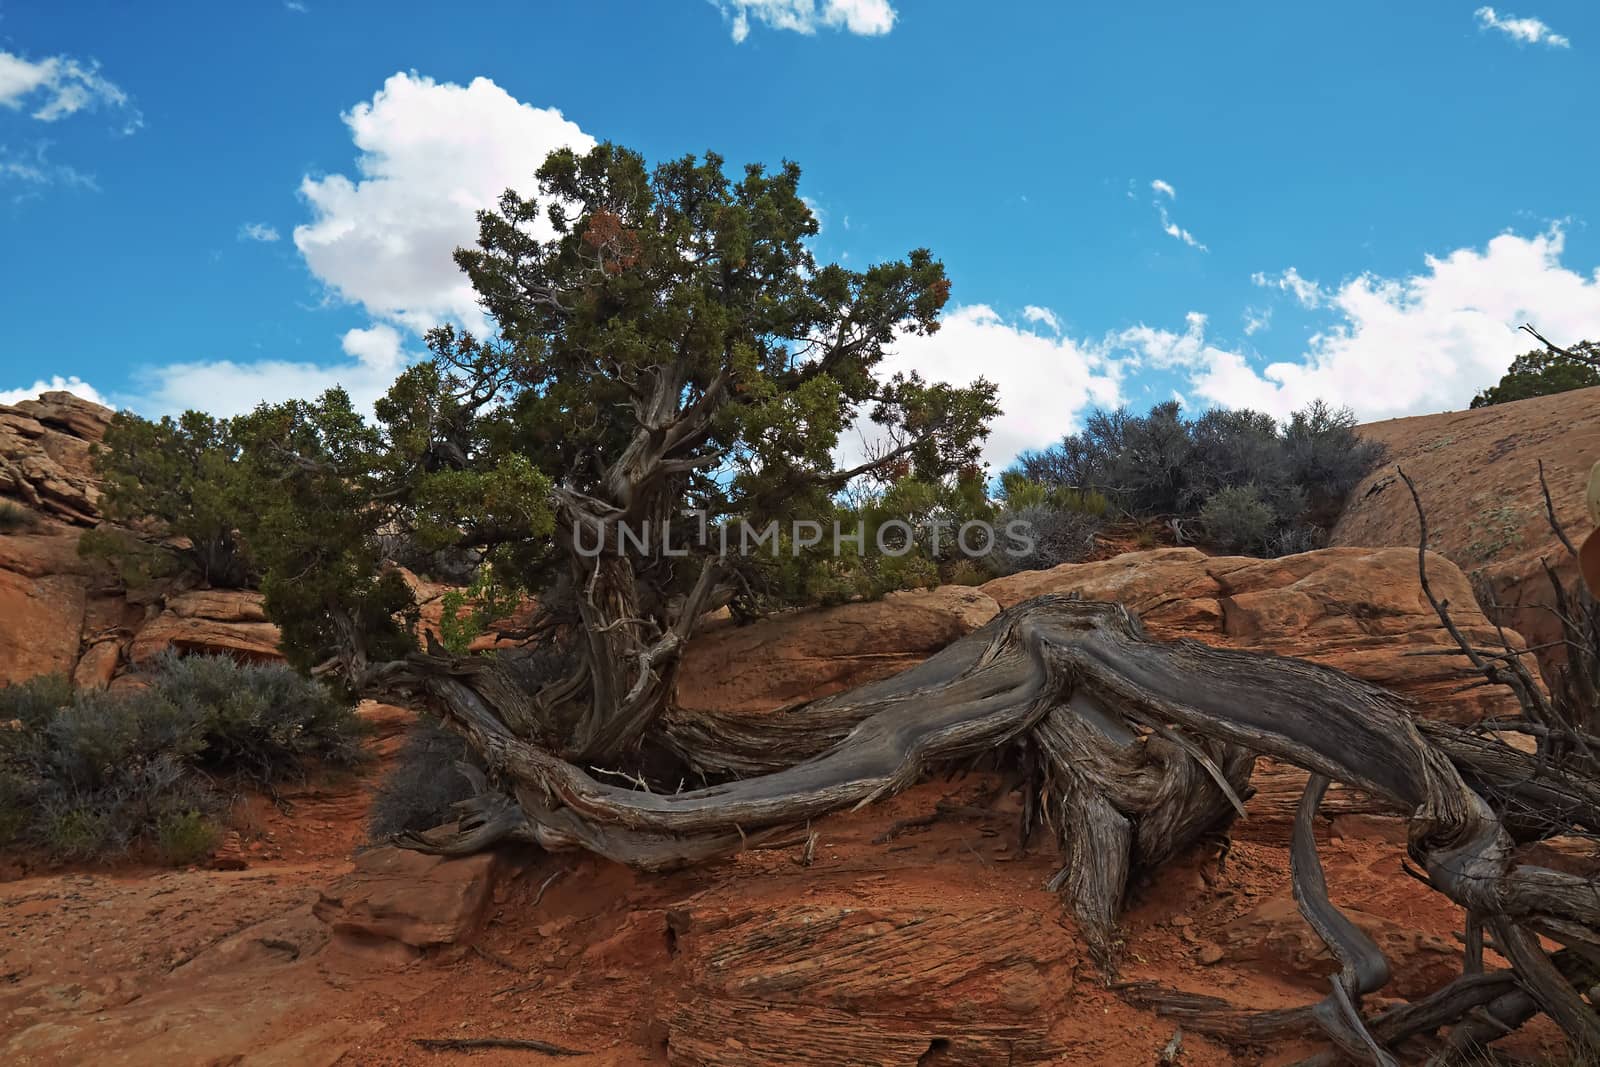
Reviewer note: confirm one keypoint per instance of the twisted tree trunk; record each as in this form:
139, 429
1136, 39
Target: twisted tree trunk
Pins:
1134, 748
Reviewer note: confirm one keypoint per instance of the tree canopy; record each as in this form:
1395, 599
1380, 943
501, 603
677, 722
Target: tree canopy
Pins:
663, 341
1545, 371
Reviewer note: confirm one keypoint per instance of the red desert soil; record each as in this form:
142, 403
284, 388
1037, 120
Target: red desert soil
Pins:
760, 960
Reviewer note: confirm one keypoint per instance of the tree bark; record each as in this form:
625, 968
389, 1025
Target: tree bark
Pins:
1135, 748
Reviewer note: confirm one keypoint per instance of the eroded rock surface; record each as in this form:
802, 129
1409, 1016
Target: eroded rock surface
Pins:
225, 621
1360, 610
45, 455
805, 655
1477, 473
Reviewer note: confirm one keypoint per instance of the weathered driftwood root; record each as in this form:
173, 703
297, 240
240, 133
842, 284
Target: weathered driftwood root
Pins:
1137, 748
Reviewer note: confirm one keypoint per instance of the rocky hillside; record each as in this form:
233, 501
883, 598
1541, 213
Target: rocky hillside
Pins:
61, 613
64, 614
1478, 475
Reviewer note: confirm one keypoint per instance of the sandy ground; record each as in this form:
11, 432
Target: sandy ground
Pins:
150, 966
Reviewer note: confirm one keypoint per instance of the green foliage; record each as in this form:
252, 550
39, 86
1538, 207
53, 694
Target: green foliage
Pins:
185, 837
1019, 494
1058, 534
324, 495
1276, 487
16, 519
1236, 518
90, 774
182, 475
675, 344
1543, 372
468, 612
138, 563
904, 536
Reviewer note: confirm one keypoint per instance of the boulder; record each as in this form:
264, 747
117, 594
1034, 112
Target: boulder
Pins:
98, 665
410, 899
1359, 610
1477, 473
227, 621
809, 654
69, 413
40, 620
45, 455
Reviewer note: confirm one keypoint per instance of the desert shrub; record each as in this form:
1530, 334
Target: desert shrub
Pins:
1161, 465
1293, 540
103, 771
14, 518
185, 837
966, 572
86, 775
1060, 535
14, 815
933, 511
1235, 517
1327, 458
417, 792
1018, 492
264, 722
1084, 501
33, 702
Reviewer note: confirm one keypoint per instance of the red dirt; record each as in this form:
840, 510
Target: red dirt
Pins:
224, 967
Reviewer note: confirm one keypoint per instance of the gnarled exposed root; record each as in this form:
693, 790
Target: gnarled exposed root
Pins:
1137, 748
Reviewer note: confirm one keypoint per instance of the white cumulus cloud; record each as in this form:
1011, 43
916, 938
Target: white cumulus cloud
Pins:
432, 154
73, 384
868, 18
1045, 383
1521, 30
1401, 346
374, 357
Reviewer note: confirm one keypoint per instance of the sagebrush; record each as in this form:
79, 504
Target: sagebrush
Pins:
1235, 479
90, 774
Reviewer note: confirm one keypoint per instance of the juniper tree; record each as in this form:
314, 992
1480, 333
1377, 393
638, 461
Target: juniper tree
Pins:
670, 343
663, 342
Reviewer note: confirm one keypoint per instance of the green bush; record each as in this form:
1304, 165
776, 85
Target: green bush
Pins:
14, 518
86, 775
263, 722
1161, 465
1236, 518
1059, 535
185, 837
137, 563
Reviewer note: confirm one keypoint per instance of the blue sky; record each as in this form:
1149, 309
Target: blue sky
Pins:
207, 204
